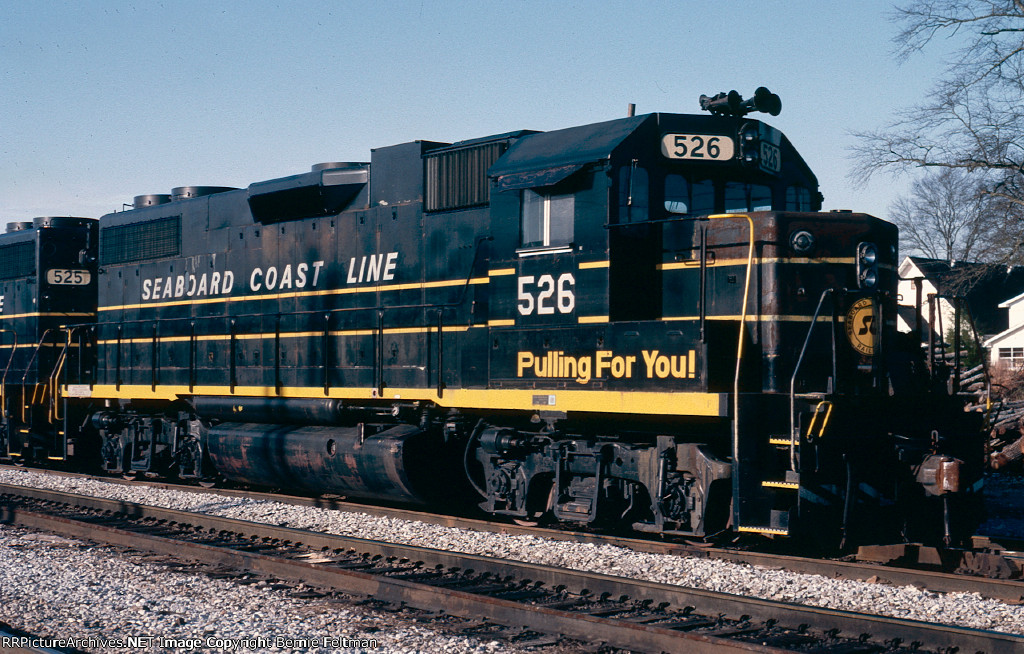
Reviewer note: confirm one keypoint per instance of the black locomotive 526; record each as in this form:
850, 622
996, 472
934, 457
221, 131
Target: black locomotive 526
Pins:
643, 322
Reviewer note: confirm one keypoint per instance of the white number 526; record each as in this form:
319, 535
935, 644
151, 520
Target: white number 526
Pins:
546, 289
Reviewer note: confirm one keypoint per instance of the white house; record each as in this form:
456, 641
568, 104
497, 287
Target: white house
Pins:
983, 288
1006, 349
927, 273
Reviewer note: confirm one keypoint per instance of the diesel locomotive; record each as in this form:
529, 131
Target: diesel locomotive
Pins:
643, 323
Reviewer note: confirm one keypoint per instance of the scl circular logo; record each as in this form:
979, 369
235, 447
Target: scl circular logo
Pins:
860, 326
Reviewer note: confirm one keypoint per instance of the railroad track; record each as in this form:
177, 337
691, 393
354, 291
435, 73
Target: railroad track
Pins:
629, 614
16, 641
1009, 590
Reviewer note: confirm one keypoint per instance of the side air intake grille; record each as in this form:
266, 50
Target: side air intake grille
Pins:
17, 260
457, 179
154, 239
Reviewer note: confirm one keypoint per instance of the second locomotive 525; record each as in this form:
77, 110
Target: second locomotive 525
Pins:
643, 322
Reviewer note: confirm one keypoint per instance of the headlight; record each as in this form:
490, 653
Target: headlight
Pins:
867, 265
868, 254
802, 242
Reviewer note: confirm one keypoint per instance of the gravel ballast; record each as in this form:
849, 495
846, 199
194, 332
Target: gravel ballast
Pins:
962, 609
58, 588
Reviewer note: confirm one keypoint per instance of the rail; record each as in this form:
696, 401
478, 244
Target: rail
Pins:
627, 613
1010, 589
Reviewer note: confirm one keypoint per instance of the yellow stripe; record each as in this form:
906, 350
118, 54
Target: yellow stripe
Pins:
695, 263
692, 404
593, 264
48, 315
757, 262
764, 530
789, 485
269, 335
283, 296
779, 441
754, 318
501, 272
583, 320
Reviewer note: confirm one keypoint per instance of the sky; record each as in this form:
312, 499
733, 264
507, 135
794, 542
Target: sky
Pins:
101, 101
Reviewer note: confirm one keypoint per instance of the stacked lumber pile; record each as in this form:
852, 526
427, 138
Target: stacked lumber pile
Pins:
1005, 419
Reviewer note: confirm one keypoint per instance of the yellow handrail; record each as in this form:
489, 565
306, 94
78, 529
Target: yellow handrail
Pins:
53, 413
743, 322
824, 422
26, 403
36, 387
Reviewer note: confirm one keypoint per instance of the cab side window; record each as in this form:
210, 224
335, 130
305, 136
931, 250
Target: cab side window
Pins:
547, 218
634, 193
685, 197
741, 197
798, 199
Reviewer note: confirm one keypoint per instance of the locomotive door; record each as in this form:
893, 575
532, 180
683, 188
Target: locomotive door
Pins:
410, 317
634, 250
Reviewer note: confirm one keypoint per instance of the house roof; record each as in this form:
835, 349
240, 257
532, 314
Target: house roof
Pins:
993, 340
1006, 304
985, 286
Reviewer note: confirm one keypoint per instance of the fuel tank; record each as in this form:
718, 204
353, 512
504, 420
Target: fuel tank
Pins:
391, 465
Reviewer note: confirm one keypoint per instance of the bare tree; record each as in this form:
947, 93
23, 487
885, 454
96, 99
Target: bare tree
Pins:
949, 216
973, 119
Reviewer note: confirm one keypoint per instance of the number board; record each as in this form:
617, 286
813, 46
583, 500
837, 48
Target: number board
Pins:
64, 277
771, 158
698, 147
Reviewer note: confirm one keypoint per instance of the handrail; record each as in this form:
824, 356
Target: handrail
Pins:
326, 347
702, 304
28, 368
742, 329
154, 357
328, 314
52, 413
378, 359
440, 353
7, 368
233, 353
192, 356
459, 301
794, 436
277, 353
